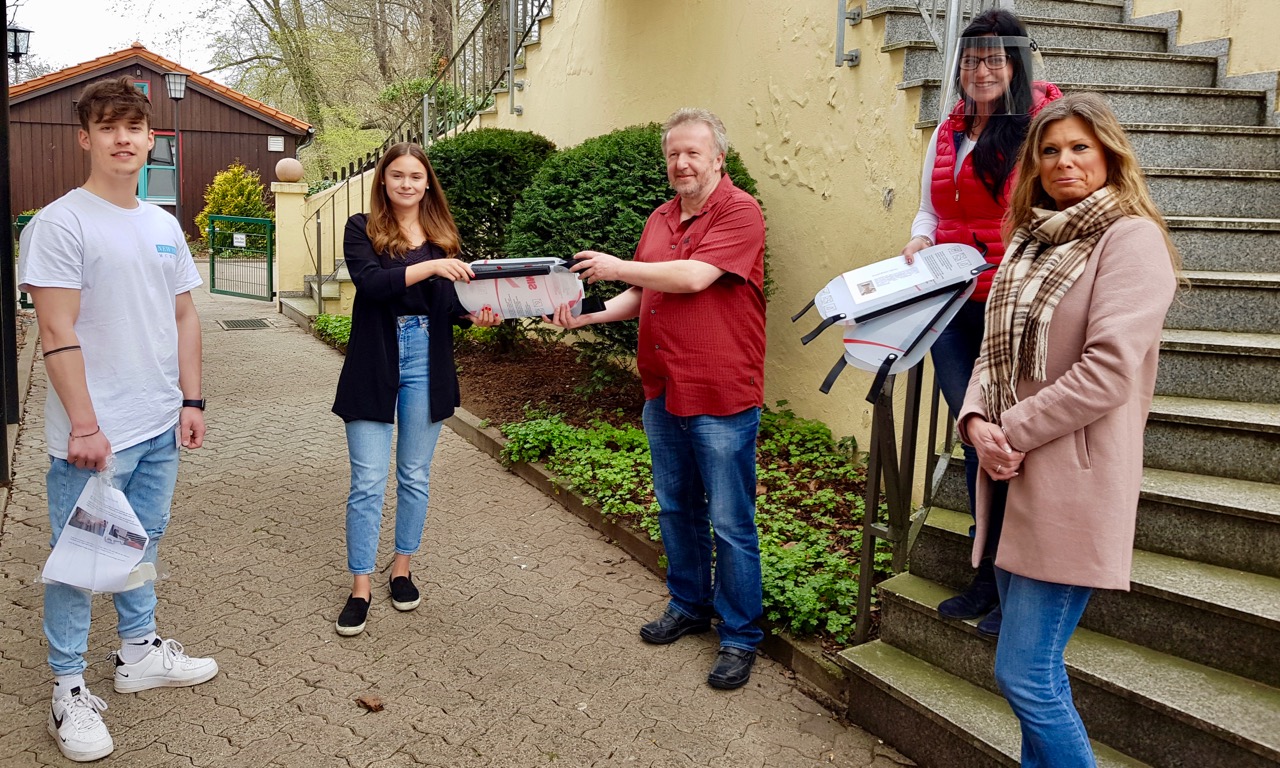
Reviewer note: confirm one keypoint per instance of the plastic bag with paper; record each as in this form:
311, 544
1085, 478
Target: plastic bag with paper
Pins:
102, 544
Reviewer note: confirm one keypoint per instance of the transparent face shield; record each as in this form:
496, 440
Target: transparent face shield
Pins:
992, 76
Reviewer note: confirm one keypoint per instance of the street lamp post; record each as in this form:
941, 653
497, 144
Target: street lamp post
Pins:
18, 40
176, 84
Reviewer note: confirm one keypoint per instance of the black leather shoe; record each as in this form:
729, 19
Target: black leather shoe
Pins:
978, 599
671, 627
732, 668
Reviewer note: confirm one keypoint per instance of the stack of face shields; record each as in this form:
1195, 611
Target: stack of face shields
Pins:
525, 288
892, 311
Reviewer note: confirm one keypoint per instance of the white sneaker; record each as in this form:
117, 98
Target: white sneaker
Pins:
166, 666
77, 727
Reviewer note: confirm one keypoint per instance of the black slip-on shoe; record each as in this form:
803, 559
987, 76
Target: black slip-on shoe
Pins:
732, 668
352, 620
404, 595
671, 627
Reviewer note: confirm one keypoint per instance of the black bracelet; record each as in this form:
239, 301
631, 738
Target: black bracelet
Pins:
61, 349
90, 434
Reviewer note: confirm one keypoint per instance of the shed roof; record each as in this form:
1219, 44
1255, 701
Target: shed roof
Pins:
86, 69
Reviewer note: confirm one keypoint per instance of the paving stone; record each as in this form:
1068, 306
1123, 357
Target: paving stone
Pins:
524, 651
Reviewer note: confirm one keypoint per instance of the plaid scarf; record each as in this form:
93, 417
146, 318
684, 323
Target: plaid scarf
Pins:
1044, 258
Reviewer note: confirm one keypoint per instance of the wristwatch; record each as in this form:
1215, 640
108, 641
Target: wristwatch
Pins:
194, 403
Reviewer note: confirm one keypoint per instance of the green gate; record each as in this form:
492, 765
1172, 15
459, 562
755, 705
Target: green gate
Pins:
19, 222
242, 257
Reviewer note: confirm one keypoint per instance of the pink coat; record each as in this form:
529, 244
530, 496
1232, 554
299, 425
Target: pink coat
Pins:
1071, 510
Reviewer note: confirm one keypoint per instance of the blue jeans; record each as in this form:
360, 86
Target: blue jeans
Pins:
704, 475
146, 473
1039, 619
954, 354
369, 448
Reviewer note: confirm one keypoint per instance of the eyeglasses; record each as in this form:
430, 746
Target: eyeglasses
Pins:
993, 62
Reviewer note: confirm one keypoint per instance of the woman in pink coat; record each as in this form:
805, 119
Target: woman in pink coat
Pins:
1059, 398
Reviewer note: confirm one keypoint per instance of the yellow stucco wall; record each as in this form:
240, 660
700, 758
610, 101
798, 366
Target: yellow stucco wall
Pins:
1252, 25
833, 150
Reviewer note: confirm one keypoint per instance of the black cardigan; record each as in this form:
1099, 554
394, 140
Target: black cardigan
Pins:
370, 377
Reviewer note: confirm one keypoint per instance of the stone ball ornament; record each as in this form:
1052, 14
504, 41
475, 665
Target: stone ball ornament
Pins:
289, 169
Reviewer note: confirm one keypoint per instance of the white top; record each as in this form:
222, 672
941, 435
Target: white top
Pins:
129, 265
926, 221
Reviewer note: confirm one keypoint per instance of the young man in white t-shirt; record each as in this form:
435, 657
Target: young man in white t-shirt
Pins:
111, 278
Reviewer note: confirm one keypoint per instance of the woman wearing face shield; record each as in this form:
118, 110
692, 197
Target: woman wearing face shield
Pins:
969, 171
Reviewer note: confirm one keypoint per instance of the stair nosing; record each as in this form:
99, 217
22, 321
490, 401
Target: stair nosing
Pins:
1145, 578
1171, 90
1213, 173
1221, 342
1207, 412
947, 720
1077, 659
1032, 21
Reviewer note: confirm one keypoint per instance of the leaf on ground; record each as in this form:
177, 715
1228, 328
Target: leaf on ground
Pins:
370, 702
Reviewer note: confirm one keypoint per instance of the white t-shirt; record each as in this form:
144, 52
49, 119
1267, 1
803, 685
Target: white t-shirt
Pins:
129, 265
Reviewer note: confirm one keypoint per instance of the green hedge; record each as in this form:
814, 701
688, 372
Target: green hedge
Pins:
597, 196
483, 173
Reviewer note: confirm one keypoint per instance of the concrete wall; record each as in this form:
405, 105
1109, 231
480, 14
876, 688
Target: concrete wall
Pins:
1252, 25
832, 149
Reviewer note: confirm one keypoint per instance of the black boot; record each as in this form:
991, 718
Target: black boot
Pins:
978, 599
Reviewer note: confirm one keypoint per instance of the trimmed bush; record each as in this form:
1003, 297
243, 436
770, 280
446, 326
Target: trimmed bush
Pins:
237, 191
597, 196
483, 173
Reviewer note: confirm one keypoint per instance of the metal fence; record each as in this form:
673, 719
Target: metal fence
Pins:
242, 257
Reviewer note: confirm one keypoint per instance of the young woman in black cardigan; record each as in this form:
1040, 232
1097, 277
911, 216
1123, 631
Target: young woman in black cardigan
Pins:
399, 366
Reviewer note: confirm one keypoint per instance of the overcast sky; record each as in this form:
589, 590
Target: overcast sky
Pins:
67, 32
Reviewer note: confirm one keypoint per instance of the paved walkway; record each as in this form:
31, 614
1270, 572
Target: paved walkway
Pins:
523, 653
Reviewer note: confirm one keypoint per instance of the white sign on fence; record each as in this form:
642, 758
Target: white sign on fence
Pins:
239, 240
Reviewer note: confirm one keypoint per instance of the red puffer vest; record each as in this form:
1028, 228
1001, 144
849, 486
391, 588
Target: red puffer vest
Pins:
966, 211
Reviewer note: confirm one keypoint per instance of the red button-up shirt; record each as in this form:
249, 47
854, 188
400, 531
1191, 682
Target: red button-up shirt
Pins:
705, 350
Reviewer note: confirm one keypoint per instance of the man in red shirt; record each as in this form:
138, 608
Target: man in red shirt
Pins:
698, 288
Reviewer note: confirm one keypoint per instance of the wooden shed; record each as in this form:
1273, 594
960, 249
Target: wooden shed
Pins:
217, 126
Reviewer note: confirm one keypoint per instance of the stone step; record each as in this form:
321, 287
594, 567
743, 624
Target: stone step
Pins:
300, 309
1219, 617
1216, 520
1224, 244
1214, 437
1143, 103
1239, 302
1244, 367
922, 60
1107, 11
1151, 705
903, 23
1239, 193
934, 717
1206, 146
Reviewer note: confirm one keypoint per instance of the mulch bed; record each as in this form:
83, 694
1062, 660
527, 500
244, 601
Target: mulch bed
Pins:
502, 386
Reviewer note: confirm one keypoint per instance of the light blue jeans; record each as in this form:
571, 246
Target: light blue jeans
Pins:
369, 447
147, 473
704, 475
1039, 619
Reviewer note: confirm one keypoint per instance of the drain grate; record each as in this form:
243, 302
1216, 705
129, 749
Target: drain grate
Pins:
243, 325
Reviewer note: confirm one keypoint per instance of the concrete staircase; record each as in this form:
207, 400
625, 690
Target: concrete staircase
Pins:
1184, 670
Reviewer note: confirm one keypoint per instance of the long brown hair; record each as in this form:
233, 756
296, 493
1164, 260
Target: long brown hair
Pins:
433, 210
1124, 173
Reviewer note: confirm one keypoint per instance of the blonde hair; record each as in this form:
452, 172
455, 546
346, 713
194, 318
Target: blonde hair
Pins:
1124, 173
433, 210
